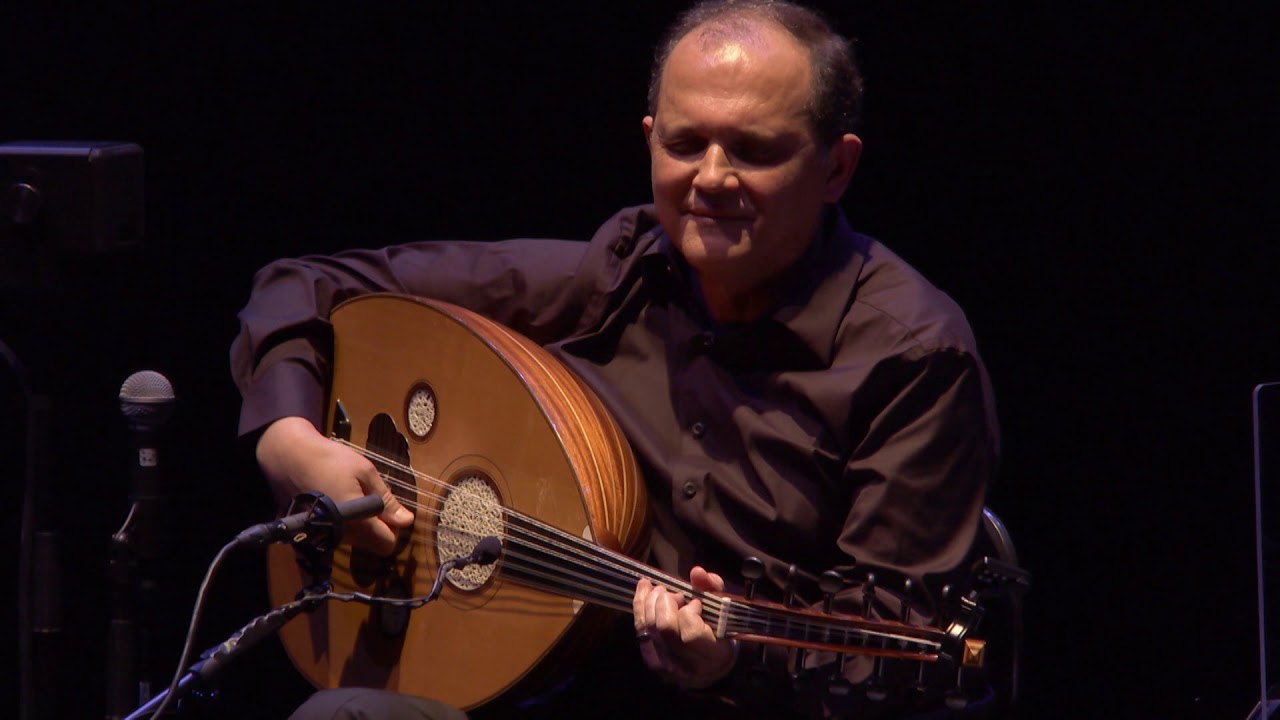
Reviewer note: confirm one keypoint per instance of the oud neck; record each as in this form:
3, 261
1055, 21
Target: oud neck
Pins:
552, 560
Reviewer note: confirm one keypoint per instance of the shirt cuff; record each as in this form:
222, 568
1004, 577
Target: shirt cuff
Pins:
284, 390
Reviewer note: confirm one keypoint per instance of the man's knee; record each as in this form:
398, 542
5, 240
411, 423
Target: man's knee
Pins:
371, 704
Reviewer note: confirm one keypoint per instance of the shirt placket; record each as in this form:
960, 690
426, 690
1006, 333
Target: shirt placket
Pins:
693, 466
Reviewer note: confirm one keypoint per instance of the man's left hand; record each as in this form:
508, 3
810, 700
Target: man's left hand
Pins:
675, 641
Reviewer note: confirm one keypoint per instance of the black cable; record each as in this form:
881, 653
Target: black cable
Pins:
485, 552
201, 596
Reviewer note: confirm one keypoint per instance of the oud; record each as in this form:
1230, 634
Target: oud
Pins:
483, 434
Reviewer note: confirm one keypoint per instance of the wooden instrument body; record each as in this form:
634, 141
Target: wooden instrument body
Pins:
513, 438
509, 413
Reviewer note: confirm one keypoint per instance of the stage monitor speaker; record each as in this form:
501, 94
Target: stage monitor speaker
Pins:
78, 199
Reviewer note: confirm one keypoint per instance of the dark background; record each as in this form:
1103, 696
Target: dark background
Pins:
1093, 182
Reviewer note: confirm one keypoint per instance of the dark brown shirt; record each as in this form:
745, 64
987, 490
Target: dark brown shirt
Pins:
853, 425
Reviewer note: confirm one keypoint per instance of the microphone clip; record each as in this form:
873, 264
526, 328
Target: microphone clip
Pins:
313, 523
322, 530
315, 540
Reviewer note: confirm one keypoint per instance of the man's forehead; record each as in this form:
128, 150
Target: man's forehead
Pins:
742, 63
737, 35
754, 46
712, 35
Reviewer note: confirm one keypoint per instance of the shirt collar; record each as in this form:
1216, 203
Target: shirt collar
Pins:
824, 285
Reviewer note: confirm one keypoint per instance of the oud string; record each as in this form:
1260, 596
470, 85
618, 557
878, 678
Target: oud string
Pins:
542, 556
542, 551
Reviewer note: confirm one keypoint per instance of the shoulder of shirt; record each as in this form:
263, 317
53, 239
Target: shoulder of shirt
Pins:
631, 229
893, 298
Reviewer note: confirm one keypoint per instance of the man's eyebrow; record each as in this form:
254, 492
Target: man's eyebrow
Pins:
762, 135
736, 134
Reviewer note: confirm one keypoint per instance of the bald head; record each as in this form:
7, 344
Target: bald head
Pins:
835, 88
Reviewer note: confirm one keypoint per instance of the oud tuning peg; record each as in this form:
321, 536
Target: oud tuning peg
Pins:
796, 656
906, 601
874, 687
947, 596
830, 583
868, 595
839, 684
752, 571
789, 588
919, 687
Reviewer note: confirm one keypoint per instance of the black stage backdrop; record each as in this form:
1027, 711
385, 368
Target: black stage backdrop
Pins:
1093, 181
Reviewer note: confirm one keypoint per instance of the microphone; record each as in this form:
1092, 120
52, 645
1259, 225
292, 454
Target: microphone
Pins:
146, 400
486, 552
324, 514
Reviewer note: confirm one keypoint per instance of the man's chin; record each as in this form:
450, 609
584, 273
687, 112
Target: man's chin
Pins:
715, 242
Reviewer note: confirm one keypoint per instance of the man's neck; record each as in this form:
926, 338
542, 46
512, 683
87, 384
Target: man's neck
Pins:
726, 306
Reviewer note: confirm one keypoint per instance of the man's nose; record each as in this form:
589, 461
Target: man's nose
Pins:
715, 171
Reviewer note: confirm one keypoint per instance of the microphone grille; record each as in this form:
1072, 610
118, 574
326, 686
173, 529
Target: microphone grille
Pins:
487, 550
146, 396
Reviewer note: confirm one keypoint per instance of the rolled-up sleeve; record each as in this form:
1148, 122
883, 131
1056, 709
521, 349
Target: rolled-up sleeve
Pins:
279, 359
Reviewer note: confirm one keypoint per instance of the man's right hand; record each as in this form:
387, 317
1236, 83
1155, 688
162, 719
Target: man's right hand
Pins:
297, 459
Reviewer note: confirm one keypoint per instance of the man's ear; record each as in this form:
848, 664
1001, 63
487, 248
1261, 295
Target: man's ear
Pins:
842, 160
647, 124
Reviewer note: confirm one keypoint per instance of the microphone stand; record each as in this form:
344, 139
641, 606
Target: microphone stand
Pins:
137, 548
122, 672
315, 543
39, 613
133, 590
217, 657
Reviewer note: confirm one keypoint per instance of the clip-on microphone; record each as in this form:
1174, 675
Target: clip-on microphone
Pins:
485, 552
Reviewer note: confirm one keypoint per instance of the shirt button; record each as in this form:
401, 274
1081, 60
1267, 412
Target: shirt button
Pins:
698, 429
690, 489
702, 342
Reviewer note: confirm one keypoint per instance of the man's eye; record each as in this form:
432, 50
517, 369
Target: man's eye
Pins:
685, 146
758, 154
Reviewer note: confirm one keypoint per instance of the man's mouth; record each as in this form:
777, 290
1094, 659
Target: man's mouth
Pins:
704, 215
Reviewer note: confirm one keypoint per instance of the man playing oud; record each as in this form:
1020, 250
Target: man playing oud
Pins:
792, 390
